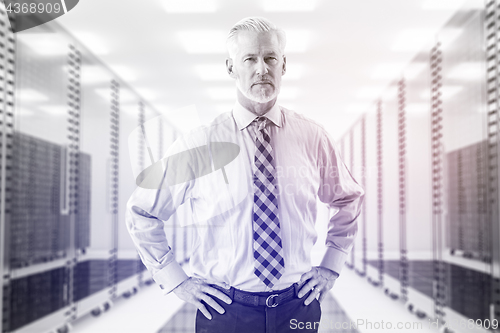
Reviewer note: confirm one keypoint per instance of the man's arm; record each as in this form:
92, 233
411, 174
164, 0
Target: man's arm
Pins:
146, 211
344, 197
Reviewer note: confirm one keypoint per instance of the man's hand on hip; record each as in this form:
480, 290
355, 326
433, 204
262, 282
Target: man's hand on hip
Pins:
194, 290
320, 280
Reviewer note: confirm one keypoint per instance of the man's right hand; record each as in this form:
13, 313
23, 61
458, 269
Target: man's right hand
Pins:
194, 290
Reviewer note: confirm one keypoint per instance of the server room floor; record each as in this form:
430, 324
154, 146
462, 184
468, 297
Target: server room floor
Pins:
352, 300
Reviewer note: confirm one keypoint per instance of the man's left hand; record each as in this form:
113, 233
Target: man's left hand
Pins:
320, 280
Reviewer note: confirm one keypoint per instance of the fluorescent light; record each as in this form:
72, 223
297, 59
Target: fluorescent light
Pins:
357, 108
223, 107
369, 92
125, 96
289, 5
418, 108
212, 72
390, 93
387, 71
396, 70
93, 42
203, 41
147, 93
189, 6
297, 41
92, 74
185, 119
54, 110
31, 95
44, 44
294, 72
451, 5
447, 92
222, 93
412, 40
288, 93
414, 69
23, 112
468, 71
130, 109
124, 72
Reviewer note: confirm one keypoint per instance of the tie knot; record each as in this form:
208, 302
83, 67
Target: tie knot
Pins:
261, 123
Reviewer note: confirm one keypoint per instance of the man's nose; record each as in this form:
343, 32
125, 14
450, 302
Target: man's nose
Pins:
261, 68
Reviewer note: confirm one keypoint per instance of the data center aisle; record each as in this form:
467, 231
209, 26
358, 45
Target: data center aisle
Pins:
352, 303
184, 320
145, 312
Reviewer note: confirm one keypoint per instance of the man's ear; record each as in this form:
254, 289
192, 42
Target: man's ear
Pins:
284, 66
230, 68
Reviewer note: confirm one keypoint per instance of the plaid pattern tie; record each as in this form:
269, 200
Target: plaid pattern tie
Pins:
268, 254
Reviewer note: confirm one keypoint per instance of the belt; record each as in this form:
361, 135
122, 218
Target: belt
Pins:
270, 299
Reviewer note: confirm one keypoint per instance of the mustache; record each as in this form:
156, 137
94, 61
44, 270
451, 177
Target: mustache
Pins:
262, 81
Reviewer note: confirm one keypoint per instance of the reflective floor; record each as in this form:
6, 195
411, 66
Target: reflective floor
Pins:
331, 319
468, 291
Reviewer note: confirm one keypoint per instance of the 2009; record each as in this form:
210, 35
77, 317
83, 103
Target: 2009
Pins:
33, 8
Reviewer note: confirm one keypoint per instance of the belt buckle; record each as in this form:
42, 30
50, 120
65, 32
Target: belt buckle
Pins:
270, 298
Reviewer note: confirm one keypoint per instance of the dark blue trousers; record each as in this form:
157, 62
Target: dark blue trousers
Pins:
292, 316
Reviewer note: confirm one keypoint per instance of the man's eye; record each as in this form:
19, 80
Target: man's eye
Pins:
248, 59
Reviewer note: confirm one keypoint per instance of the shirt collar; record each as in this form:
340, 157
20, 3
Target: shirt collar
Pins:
243, 117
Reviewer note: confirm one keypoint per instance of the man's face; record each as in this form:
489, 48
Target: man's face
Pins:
257, 65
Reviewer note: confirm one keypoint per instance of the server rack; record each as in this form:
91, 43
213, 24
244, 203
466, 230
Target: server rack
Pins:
65, 177
436, 128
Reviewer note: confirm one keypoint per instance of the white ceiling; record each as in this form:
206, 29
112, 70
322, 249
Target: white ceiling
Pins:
340, 56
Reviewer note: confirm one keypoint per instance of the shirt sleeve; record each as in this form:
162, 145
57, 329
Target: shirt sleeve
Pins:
344, 197
147, 209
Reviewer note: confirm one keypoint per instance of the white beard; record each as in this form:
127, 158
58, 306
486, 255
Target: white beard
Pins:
259, 97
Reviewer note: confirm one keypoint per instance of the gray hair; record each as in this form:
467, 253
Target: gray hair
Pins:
257, 24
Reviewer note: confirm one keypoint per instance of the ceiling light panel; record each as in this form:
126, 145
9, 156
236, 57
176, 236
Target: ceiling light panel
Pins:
414, 69
468, 71
31, 95
189, 6
125, 96
44, 44
124, 72
297, 41
92, 74
294, 72
369, 92
387, 71
93, 42
212, 72
412, 40
418, 108
357, 108
288, 93
289, 5
55, 110
196, 42
451, 5
447, 92
222, 93
147, 93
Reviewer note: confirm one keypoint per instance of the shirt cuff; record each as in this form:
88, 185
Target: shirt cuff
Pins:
170, 277
334, 259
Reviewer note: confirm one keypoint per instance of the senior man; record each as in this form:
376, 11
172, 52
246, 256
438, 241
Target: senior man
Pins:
250, 262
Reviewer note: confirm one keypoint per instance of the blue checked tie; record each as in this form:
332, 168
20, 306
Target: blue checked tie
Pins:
268, 253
